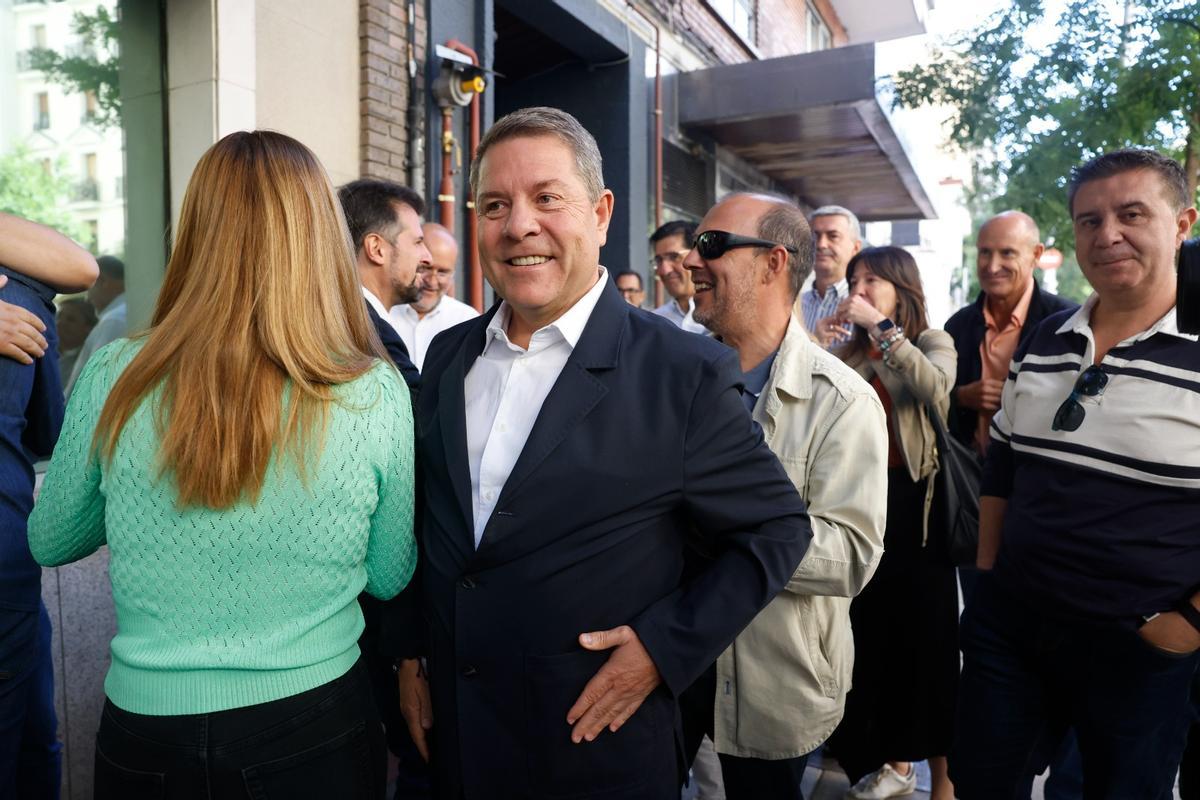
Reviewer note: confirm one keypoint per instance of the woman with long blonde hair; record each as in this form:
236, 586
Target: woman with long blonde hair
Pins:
248, 461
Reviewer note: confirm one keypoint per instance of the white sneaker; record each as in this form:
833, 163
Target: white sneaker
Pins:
883, 783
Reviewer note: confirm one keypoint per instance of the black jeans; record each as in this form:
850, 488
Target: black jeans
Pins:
1027, 677
744, 778
326, 742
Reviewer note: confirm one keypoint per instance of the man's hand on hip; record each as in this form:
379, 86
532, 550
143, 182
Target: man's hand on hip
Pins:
618, 689
414, 702
1169, 631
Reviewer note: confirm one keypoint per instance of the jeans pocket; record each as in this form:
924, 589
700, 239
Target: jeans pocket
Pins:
115, 782
337, 767
614, 762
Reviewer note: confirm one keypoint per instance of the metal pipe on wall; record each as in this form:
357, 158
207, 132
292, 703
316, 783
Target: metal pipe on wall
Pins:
658, 136
474, 273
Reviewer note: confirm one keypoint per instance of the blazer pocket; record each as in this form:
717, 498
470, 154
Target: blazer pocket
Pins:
559, 768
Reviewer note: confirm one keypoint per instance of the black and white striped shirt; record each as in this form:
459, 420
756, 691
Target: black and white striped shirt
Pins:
1104, 521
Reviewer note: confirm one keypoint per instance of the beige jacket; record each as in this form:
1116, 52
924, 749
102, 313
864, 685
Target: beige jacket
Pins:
914, 375
781, 686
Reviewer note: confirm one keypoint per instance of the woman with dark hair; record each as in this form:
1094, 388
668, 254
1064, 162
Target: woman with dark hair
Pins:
248, 460
905, 621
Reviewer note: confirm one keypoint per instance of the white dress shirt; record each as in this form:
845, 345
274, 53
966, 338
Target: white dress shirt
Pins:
673, 312
417, 332
376, 304
505, 389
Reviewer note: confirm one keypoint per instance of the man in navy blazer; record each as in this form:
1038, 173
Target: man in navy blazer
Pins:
575, 451
384, 219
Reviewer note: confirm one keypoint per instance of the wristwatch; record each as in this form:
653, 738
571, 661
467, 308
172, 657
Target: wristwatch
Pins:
883, 326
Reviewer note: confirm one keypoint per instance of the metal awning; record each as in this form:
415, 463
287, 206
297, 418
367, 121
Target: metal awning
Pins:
813, 123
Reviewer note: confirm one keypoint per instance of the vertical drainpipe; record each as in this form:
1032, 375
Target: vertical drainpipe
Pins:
658, 136
412, 116
475, 274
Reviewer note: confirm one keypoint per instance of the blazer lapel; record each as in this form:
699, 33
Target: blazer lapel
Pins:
452, 419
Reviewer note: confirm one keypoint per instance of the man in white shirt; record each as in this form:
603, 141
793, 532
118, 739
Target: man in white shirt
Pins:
562, 622
434, 310
107, 296
671, 242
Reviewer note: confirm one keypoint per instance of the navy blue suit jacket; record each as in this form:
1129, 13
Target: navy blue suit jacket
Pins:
396, 349
642, 447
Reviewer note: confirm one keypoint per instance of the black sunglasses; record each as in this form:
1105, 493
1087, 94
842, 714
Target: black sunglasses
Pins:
714, 244
1070, 414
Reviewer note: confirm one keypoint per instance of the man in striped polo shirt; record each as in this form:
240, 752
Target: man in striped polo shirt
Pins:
1090, 516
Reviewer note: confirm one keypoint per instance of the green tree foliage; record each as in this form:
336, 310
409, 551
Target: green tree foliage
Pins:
31, 190
93, 69
1115, 75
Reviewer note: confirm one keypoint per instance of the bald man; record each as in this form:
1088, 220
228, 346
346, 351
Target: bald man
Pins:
987, 332
434, 310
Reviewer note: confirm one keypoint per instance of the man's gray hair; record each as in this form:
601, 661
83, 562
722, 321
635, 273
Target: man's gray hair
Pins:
545, 121
839, 211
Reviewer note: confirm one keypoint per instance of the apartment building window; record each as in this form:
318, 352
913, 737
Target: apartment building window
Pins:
88, 189
819, 37
37, 37
41, 111
738, 15
91, 107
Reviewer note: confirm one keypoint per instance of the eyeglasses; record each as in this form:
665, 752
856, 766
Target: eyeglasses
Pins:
1070, 414
714, 244
672, 257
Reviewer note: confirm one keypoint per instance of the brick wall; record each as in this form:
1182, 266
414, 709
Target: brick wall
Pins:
384, 85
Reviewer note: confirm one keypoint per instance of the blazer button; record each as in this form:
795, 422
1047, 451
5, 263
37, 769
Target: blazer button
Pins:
469, 671
467, 583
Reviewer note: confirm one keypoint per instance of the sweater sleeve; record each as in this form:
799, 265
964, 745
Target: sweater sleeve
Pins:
391, 548
67, 522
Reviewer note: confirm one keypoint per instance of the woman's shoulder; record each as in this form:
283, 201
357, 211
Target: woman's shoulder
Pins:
381, 384
108, 362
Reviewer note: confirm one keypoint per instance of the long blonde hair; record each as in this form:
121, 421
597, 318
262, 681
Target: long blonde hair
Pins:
260, 305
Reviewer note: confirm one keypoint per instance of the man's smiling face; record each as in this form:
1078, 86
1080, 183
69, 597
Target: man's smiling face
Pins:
539, 232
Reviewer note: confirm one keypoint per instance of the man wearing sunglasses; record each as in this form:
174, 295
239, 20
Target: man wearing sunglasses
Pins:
1090, 616
671, 242
780, 689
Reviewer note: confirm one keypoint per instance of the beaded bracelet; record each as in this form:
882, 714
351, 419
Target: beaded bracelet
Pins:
892, 339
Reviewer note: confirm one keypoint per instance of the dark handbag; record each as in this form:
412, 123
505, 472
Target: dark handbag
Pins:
954, 517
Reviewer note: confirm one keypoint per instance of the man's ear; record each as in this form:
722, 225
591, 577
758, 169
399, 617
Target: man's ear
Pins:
777, 265
372, 248
603, 211
1187, 218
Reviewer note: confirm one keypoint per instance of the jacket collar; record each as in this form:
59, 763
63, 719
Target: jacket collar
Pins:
791, 373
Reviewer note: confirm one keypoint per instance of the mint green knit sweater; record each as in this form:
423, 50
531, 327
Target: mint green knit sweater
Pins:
225, 609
